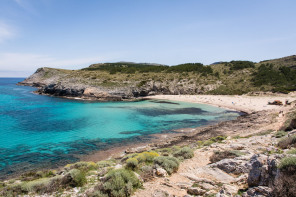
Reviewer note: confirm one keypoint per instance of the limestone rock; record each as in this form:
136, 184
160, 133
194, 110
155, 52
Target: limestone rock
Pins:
235, 166
160, 193
256, 164
260, 191
161, 172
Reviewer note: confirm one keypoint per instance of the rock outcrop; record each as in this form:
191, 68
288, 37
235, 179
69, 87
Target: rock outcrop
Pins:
64, 83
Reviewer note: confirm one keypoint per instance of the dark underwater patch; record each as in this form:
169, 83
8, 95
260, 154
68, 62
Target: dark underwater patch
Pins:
130, 132
163, 112
163, 102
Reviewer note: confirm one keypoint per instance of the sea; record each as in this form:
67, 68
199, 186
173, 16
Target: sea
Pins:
38, 131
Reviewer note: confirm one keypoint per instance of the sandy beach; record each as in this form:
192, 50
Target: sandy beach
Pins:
242, 103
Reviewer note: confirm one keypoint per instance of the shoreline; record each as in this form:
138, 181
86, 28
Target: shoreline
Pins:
242, 103
258, 118
182, 136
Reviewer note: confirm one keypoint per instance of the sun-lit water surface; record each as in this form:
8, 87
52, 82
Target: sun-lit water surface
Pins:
47, 131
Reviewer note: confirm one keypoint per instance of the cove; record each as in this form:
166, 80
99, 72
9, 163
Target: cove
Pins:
40, 131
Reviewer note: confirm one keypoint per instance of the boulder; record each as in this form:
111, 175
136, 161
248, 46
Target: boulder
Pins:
161, 172
234, 166
260, 191
256, 165
263, 170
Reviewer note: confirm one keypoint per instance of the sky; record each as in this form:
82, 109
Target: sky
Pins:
73, 34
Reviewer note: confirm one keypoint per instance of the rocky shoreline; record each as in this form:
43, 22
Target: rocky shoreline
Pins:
246, 163
243, 164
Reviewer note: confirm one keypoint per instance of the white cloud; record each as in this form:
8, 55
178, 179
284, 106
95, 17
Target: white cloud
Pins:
24, 63
6, 32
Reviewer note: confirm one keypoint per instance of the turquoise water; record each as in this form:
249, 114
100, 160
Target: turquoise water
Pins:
42, 131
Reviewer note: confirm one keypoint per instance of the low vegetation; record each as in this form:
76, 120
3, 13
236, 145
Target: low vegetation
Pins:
280, 134
210, 141
184, 153
119, 183
132, 68
287, 142
285, 184
170, 164
228, 154
288, 163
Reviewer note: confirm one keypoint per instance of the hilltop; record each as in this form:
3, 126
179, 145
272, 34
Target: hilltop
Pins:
129, 80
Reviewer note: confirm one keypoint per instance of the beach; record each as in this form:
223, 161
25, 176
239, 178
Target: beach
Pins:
241, 103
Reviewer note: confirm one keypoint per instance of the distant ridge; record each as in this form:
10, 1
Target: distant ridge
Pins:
289, 61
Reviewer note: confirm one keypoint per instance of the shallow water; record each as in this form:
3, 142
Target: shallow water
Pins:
42, 131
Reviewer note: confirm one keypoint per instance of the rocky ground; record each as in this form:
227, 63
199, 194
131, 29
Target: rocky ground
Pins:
227, 177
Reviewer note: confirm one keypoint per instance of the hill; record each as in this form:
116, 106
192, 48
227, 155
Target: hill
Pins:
289, 61
128, 80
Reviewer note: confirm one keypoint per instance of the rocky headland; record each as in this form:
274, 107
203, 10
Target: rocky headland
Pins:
130, 81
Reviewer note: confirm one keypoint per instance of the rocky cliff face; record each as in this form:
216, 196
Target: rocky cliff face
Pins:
63, 83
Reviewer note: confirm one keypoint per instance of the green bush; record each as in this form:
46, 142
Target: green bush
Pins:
105, 163
184, 153
164, 151
218, 138
280, 134
83, 166
30, 176
43, 185
38, 185
292, 151
287, 142
147, 156
78, 178
132, 163
285, 181
120, 183
170, 164
208, 142
287, 163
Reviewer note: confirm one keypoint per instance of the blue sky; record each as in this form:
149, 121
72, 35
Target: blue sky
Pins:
74, 33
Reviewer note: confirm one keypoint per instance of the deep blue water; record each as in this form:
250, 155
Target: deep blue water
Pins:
42, 131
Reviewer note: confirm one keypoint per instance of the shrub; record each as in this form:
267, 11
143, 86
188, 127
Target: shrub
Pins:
78, 178
146, 173
146, 156
164, 151
170, 164
292, 151
285, 182
280, 134
43, 185
120, 183
218, 155
287, 163
105, 163
30, 176
83, 166
38, 185
184, 153
208, 142
218, 138
287, 142
132, 163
